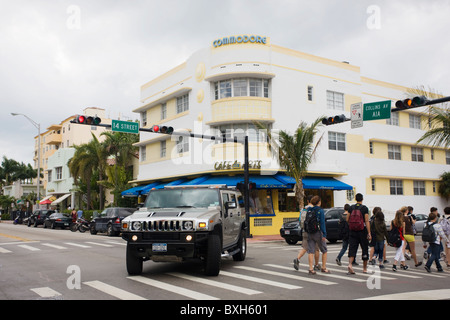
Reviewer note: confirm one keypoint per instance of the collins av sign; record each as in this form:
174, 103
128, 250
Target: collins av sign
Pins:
239, 39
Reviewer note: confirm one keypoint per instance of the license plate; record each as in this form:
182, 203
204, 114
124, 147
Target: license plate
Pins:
66, 224
287, 232
159, 247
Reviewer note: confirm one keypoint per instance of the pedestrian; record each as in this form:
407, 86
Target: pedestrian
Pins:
344, 233
317, 233
445, 223
359, 232
73, 214
379, 229
434, 245
304, 248
427, 253
399, 223
409, 221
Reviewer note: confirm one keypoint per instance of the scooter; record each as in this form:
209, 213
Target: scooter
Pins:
81, 225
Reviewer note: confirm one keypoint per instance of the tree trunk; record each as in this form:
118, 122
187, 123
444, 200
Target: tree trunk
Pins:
300, 194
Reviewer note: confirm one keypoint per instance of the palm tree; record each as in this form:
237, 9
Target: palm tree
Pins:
88, 159
444, 186
438, 134
295, 152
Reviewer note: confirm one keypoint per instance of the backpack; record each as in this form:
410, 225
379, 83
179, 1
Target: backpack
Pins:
394, 239
428, 233
343, 228
356, 219
445, 223
311, 224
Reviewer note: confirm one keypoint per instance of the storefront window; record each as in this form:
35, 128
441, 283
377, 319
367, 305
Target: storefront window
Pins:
261, 202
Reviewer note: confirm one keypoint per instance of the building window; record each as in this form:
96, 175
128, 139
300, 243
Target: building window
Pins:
242, 87
310, 93
417, 154
414, 121
447, 157
419, 188
183, 103
373, 184
58, 171
393, 120
144, 118
163, 111
49, 179
396, 187
335, 100
394, 152
143, 153
432, 154
163, 149
231, 131
182, 144
371, 147
336, 141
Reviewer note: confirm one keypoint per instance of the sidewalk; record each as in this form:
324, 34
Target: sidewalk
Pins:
275, 237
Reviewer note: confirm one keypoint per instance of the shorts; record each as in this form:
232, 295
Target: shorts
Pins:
409, 238
355, 239
314, 240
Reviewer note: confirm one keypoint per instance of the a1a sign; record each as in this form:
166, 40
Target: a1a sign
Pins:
125, 126
377, 110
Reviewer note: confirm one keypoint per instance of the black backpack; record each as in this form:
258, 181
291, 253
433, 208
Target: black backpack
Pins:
428, 233
394, 239
311, 224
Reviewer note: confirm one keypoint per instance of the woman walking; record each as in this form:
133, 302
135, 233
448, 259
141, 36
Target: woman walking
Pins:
379, 227
409, 234
399, 223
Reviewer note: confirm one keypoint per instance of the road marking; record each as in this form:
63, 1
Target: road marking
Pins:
260, 280
171, 288
117, 243
286, 275
398, 273
3, 250
28, 247
14, 237
77, 245
51, 245
440, 294
113, 291
215, 283
46, 292
331, 275
100, 244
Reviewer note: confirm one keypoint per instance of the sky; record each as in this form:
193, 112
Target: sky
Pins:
58, 57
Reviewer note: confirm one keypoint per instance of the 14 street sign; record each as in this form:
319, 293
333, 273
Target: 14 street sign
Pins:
125, 126
377, 110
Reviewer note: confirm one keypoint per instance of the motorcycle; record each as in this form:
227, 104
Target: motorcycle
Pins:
81, 225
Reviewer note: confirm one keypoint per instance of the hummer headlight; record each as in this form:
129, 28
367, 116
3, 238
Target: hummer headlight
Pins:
187, 225
136, 226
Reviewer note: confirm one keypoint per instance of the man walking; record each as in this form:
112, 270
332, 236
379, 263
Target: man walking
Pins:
359, 232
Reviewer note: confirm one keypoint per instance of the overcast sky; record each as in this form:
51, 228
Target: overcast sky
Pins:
58, 57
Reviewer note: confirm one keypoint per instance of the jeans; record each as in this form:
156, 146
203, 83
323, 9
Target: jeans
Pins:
435, 255
344, 249
378, 250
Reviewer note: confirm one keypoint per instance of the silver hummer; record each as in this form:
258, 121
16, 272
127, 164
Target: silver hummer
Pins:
189, 222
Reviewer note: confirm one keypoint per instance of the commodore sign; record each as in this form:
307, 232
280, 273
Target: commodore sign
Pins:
239, 39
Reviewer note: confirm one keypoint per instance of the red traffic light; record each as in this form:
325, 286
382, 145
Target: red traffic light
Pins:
163, 129
81, 119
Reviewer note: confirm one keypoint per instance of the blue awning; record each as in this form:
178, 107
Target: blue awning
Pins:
172, 183
262, 182
137, 191
316, 183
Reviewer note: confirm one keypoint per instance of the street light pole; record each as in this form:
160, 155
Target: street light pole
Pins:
38, 126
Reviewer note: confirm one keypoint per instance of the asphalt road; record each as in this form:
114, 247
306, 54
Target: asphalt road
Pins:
45, 264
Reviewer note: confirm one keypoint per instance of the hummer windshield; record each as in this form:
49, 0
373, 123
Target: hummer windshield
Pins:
182, 198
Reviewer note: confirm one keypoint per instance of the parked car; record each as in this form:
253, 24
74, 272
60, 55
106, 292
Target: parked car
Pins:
420, 222
110, 220
38, 217
292, 233
58, 219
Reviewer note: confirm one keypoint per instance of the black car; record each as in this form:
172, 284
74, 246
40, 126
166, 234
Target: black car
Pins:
110, 220
58, 219
292, 232
39, 216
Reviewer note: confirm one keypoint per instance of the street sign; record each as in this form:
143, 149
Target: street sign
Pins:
377, 110
356, 115
125, 126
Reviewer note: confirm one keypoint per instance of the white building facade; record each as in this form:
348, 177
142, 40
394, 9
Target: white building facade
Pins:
237, 80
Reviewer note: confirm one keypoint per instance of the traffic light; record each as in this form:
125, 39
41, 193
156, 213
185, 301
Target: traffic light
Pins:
333, 120
412, 103
93, 121
163, 129
240, 186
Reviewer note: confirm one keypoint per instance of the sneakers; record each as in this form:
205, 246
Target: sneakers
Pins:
338, 262
296, 263
428, 269
404, 267
394, 267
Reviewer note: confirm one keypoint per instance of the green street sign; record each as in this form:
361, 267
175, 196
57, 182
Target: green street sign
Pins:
377, 110
125, 126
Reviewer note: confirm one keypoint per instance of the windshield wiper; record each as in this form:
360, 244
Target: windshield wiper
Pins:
184, 207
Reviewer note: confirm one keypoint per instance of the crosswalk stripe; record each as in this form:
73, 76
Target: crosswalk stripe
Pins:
46, 292
51, 245
3, 250
175, 289
100, 244
286, 275
399, 273
117, 243
369, 274
28, 247
260, 280
113, 291
77, 245
331, 275
215, 283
